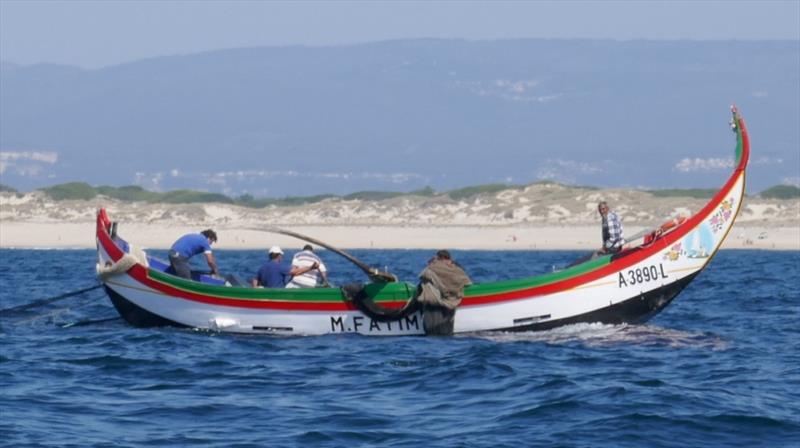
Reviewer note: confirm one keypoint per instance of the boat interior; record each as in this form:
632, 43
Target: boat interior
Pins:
235, 280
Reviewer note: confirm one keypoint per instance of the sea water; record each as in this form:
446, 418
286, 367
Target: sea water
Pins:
719, 367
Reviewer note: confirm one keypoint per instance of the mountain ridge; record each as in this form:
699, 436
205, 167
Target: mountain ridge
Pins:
277, 121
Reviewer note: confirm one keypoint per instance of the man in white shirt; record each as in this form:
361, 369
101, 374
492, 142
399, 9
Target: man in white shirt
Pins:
309, 279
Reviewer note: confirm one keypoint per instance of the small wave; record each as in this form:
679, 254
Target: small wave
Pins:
598, 334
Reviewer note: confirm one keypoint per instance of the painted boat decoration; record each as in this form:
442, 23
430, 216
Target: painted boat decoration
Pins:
628, 287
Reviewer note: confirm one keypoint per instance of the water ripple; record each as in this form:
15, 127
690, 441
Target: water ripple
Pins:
718, 368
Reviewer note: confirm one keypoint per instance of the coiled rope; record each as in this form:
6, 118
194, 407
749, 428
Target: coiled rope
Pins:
130, 259
355, 292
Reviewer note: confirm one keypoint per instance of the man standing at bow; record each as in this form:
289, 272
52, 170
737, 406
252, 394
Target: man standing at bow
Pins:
612, 230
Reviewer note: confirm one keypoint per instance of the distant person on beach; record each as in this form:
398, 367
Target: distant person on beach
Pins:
309, 279
275, 274
440, 292
187, 247
612, 230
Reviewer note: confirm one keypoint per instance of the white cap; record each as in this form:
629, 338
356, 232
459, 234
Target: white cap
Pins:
275, 250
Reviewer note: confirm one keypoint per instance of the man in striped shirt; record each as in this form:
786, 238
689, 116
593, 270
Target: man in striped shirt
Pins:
309, 279
612, 230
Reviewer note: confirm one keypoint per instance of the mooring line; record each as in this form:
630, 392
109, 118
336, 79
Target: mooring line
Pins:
49, 300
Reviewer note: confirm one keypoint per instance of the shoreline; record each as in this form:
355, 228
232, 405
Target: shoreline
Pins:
80, 235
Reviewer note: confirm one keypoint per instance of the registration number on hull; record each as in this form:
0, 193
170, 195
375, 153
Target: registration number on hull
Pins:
642, 275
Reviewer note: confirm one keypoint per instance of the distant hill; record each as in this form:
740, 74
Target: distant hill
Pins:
6, 188
539, 203
699, 193
406, 114
781, 192
84, 191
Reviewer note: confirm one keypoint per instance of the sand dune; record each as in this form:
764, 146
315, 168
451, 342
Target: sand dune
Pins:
541, 216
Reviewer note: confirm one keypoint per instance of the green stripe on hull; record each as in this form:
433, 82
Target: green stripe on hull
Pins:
484, 289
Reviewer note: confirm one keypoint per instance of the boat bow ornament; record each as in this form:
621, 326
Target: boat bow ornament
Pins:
627, 287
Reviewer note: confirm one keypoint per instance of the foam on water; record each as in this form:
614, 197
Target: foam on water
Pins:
598, 334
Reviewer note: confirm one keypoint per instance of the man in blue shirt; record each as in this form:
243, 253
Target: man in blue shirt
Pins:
190, 245
275, 274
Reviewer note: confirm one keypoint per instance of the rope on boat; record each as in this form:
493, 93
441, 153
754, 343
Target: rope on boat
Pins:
49, 300
356, 293
130, 259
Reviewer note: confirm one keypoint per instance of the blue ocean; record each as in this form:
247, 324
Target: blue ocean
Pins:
720, 367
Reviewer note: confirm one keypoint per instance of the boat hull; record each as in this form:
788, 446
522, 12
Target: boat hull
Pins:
634, 310
629, 287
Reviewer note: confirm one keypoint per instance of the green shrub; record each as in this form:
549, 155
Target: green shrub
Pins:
373, 195
697, 193
191, 197
71, 190
301, 200
781, 192
427, 191
467, 192
128, 193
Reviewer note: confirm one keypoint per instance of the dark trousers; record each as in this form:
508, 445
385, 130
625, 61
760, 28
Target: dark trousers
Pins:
180, 266
438, 320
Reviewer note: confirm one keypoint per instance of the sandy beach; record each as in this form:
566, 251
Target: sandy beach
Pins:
541, 217
81, 236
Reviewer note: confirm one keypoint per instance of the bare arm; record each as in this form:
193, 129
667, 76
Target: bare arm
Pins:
212, 263
297, 270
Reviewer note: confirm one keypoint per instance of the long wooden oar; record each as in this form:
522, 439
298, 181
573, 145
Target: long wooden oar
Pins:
374, 274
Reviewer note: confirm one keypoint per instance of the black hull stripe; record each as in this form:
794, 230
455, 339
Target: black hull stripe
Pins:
136, 315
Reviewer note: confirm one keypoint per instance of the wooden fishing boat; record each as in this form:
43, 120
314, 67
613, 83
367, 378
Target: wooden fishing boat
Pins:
627, 287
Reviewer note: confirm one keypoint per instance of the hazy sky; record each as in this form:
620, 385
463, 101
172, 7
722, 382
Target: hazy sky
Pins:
99, 33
